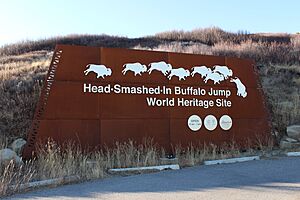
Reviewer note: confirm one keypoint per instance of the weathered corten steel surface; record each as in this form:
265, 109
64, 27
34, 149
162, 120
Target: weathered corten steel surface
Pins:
67, 111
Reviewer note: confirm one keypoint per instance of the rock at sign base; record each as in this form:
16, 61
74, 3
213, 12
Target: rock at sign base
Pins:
293, 131
289, 145
6, 155
288, 139
18, 145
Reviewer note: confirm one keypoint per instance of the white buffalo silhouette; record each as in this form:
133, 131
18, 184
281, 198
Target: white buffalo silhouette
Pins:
136, 68
202, 70
100, 70
224, 70
214, 76
181, 73
161, 66
241, 88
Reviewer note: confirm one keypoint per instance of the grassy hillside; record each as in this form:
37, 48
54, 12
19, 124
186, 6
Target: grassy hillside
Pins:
23, 67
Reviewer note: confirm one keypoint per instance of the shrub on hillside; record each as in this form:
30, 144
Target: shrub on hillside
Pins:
260, 52
214, 35
84, 40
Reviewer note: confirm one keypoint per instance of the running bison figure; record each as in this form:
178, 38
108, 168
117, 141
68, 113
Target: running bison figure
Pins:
180, 73
100, 70
136, 68
215, 77
202, 70
224, 70
161, 66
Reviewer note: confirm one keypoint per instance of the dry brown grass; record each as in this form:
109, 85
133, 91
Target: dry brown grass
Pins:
21, 79
55, 161
281, 84
261, 52
74, 39
181, 47
197, 154
214, 35
13, 176
130, 154
296, 42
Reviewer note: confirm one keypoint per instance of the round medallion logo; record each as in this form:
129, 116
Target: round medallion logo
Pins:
210, 122
225, 122
194, 122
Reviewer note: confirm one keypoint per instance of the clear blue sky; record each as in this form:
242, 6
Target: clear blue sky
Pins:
35, 19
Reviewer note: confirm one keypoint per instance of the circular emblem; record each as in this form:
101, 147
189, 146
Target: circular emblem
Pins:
225, 122
210, 122
194, 122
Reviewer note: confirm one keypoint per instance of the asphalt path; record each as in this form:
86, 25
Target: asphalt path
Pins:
264, 179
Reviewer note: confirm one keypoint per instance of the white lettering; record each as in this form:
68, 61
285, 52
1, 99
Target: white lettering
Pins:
166, 90
96, 89
195, 103
223, 103
189, 91
213, 92
87, 87
153, 101
118, 89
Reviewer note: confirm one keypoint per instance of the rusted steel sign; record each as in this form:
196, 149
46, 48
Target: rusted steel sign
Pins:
97, 96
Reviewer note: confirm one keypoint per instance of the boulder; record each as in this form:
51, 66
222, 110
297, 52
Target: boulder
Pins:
7, 155
284, 144
18, 145
293, 131
288, 139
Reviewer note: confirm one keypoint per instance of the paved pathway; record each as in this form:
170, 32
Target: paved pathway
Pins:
254, 180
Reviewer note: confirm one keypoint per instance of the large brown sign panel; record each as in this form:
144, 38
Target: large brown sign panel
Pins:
97, 96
